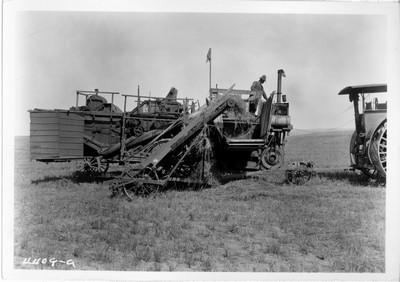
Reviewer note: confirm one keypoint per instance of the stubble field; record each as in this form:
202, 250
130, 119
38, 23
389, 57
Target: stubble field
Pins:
335, 223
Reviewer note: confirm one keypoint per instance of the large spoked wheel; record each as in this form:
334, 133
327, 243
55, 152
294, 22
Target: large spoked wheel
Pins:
143, 187
271, 158
93, 164
353, 148
378, 149
298, 173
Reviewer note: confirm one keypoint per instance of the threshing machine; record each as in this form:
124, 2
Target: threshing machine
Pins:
215, 134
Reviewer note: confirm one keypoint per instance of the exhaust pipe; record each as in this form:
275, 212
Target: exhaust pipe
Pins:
279, 88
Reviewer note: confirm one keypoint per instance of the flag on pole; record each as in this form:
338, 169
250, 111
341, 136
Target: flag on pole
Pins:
208, 56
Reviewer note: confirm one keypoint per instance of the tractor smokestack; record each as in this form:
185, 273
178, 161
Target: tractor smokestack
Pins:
279, 88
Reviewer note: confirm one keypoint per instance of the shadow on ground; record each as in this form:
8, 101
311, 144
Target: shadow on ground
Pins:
79, 177
353, 178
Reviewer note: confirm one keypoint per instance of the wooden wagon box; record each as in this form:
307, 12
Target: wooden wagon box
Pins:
61, 135
56, 134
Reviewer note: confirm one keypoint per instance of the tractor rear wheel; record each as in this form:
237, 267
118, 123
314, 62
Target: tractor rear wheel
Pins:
378, 149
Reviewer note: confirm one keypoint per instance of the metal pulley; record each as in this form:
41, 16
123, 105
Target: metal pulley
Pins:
280, 121
271, 158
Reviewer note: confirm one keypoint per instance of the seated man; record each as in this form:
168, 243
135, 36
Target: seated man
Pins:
254, 99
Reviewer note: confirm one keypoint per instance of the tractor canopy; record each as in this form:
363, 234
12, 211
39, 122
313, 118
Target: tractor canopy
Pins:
368, 88
353, 91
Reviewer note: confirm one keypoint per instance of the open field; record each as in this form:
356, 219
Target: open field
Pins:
335, 223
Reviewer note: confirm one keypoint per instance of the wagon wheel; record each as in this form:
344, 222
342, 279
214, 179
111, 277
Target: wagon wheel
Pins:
93, 164
150, 174
84, 165
141, 188
378, 149
298, 173
271, 158
138, 130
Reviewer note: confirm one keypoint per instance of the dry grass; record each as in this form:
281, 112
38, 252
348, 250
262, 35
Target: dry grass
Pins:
325, 149
328, 225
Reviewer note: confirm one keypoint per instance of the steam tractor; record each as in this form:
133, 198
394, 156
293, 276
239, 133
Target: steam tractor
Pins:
368, 145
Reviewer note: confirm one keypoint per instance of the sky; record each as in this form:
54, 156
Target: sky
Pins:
59, 52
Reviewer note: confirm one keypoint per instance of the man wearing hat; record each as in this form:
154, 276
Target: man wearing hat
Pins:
257, 86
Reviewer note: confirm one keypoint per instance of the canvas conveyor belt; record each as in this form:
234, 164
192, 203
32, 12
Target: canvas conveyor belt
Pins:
144, 172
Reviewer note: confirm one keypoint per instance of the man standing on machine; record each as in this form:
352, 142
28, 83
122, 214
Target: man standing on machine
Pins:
254, 99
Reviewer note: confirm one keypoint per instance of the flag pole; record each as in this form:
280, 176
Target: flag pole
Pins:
209, 60
210, 80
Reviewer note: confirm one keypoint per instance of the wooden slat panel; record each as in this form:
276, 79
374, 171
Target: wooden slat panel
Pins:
43, 120
72, 134
41, 138
44, 132
45, 151
69, 152
35, 156
76, 146
43, 114
71, 128
45, 126
70, 139
45, 145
